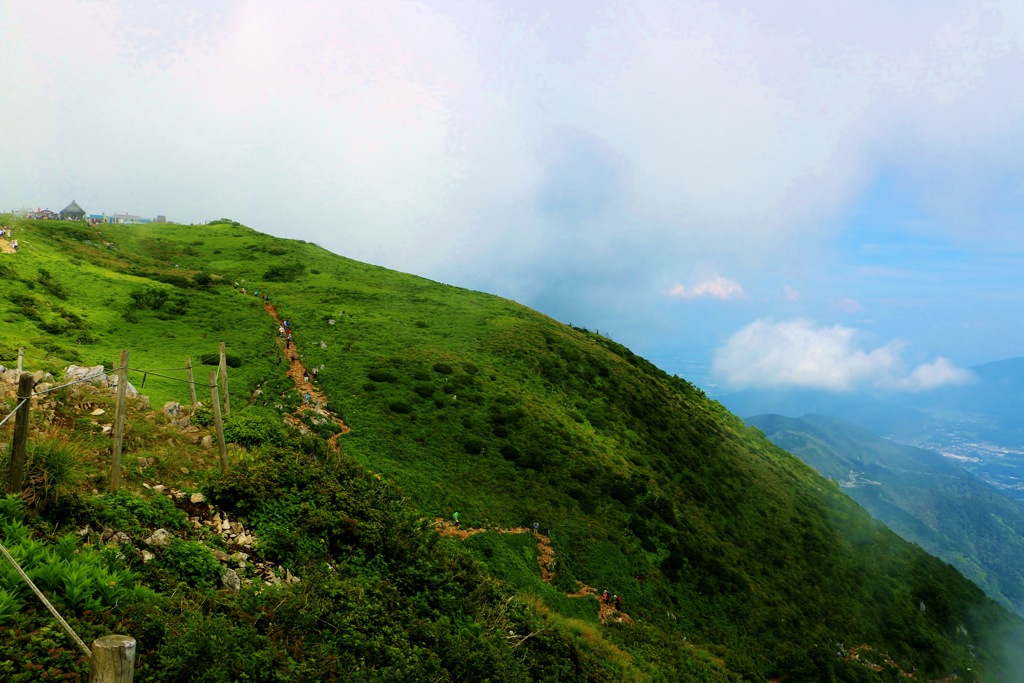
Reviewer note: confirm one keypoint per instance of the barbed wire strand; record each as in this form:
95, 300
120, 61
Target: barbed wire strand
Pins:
13, 412
53, 611
147, 372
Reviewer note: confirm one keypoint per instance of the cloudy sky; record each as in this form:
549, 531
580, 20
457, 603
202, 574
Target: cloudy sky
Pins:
823, 194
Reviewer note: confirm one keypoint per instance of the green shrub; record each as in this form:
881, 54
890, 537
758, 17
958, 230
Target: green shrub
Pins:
473, 446
284, 272
443, 368
401, 408
229, 360
425, 390
51, 472
382, 376
202, 416
190, 563
251, 428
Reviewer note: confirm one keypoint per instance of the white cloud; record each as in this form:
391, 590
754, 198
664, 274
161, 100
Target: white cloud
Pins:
717, 287
800, 354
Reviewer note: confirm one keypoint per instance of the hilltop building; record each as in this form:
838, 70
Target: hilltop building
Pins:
72, 212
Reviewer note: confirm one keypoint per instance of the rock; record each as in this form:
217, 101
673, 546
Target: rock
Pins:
105, 534
37, 377
239, 558
160, 537
107, 428
84, 531
183, 422
207, 441
196, 497
323, 345
147, 556
75, 372
221, 555
144, 462
43, 386
290, 578
120, 538
159, 488
143, 401
172, 409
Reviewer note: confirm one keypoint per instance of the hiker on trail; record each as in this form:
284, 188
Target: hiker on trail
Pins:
618, 603
289, 335
305, 376
316, 374
295, 357
280, 331
456, 517
604, 596
14, 244
286, 325
305, 398
536, 527
288, 342
607, 598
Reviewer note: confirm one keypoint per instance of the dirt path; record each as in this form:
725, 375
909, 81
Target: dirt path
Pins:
546, 560
5, 246
296, 370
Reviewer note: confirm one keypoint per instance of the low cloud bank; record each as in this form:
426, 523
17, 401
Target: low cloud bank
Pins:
799, 353
717, 287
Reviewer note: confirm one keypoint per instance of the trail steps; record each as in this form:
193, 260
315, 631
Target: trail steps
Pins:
546, 560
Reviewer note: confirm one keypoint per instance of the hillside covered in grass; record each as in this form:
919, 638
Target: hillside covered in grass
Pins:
735, 561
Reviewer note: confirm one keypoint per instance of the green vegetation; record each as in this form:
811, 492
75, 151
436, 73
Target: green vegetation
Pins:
735, 560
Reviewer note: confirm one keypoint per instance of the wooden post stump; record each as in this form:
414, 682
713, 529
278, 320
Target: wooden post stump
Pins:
191, 381
113, 660
19, 447
122, 395
218, 423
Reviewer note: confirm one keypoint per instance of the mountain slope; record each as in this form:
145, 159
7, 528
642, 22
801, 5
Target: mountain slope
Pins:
469, 402
922, 496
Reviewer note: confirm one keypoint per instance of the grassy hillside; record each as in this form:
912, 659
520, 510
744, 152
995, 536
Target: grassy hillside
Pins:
734, 559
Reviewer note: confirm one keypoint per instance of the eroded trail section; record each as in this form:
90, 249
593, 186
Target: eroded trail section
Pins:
314, 400
545, 558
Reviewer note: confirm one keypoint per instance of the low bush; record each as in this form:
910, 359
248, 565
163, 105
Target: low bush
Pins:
254, 427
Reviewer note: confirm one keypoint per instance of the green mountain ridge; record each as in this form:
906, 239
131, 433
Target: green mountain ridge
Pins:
736, 561
919, 494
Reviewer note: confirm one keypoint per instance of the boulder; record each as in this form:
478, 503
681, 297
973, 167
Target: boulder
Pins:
229, 579
120, 538
160, 537
207, 441
76, 372
197, 497
172, 409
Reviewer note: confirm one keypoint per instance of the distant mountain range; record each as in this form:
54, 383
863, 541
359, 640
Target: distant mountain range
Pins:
980, 424
926, 498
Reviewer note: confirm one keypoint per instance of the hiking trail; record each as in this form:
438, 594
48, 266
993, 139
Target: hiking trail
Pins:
546, 560
317, 399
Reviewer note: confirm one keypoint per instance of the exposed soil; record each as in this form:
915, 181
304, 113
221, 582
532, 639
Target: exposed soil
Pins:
546, 559
317, 402
5, 246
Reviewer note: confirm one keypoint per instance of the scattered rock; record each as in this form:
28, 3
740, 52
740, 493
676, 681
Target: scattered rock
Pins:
147, 556
183, 422
120, 538
221, 555
159, 488
98, 411
160, 537
207, 441
172, 409
144, 462
229, 579
195, 497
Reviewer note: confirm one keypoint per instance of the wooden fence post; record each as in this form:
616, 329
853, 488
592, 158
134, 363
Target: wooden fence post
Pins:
113, 660
21, 357
191, 382
224, 381
215, 400
122, 394
20, 445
